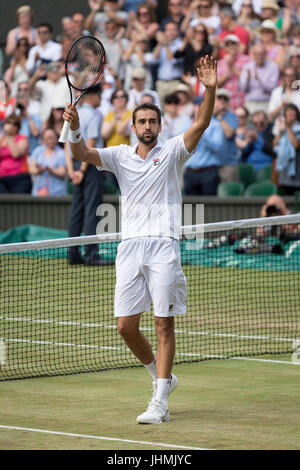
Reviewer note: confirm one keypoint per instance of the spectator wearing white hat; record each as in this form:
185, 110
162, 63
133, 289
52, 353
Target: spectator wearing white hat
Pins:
229, 70
268, 35
138, 88
258, 79
230, 26
270, 11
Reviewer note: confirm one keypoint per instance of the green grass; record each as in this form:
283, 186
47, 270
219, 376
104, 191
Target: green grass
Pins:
224, 404
55, 318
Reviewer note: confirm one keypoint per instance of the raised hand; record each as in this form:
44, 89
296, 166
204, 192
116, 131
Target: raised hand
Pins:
207, 71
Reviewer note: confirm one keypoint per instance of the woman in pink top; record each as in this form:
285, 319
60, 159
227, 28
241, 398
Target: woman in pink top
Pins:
14, 176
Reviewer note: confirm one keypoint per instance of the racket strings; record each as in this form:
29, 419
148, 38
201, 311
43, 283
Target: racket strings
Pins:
85, 62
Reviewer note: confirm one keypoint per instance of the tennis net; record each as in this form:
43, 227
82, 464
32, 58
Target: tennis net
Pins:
243, 282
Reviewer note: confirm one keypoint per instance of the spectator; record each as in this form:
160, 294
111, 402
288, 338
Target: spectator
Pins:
47, 165
287, 147
259, 152
294, 59
87, 183
17, 72
230, 26
108, 86
242, 131
116, 124
248, 18
175, 13
34, 106
283, 94
169, 69
31, 124
55, 120
14, 176
54, 85
173, 123
294, 35
258, 78
201, 175
78, 22
194, 45
101, 12
136, 56
138, 89
229, 70
185, 95
228, 155
23, 30
144, 23
269, 11
115, 45
200, 11
237, 6
268, 34
45, 50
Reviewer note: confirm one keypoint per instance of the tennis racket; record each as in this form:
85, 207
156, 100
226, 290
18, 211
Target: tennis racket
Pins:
84, 64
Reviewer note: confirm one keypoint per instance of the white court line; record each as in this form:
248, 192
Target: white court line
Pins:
102, 438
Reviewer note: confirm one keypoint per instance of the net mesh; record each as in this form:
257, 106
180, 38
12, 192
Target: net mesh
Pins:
85, 62
243, 300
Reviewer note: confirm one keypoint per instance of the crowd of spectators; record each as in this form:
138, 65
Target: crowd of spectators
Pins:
256, 117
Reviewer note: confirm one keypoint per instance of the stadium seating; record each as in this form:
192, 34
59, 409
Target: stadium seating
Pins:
247, 174
230, 188
261, 188
264, 173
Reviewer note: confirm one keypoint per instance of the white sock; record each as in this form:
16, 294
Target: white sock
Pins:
162, 391
152, 368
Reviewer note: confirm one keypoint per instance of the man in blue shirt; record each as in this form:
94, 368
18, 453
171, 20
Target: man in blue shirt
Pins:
215, 158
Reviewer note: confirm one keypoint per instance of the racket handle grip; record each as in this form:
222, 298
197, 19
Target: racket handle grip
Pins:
64, 132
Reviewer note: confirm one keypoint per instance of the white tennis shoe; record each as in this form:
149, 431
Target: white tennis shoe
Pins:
156, 412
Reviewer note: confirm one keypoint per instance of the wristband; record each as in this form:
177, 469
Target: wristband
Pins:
75, 136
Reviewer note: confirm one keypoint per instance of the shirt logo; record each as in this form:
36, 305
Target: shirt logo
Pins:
171, 307
156, 162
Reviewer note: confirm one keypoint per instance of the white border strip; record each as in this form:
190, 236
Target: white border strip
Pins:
102, 438
186, 230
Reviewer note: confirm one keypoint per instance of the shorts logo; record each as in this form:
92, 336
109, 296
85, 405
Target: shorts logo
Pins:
171, 307
156, 162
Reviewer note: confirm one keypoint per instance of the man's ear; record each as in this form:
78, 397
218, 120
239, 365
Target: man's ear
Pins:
133, 128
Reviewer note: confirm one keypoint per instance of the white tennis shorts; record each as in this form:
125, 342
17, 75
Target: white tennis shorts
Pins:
149, 271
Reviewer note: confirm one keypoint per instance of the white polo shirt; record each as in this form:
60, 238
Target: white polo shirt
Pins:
151, 194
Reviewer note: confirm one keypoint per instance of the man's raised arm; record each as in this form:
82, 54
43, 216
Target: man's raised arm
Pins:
78, 147
207, 74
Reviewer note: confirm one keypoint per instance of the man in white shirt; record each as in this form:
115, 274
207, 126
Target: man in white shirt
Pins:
148, 265
45, 51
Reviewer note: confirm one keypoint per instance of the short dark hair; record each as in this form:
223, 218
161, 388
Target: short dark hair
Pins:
294, 108
93, 90
46, 25
145, 107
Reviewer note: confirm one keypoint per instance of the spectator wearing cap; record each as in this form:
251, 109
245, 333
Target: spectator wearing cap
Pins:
102, 11
185, 95
229, 70
228, 155
229, 25
268, 35
24, 30
258, 79
282, 95
45, 50
270, 11
170, 69
54, 85
138, 88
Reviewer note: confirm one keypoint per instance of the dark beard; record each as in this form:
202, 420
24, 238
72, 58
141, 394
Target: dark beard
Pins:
147, 140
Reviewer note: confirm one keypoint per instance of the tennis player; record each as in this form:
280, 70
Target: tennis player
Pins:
148, 264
